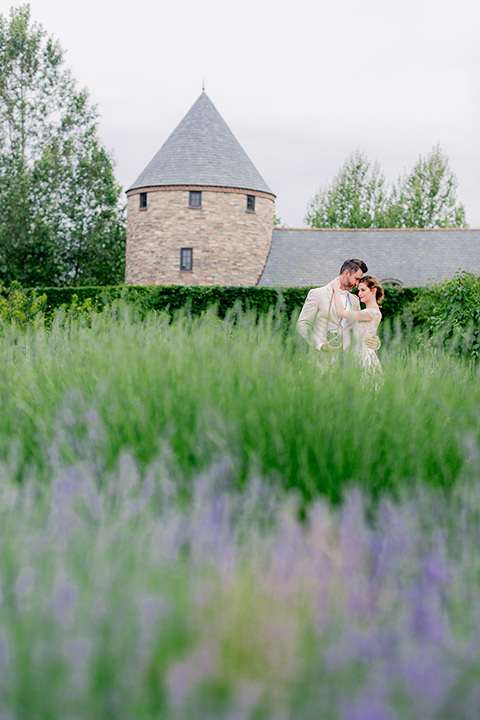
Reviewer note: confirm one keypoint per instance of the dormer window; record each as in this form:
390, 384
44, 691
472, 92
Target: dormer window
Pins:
143, 201
195, 199
251, 203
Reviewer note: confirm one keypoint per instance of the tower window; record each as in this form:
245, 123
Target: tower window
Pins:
251, 203
143, 201
195, 198
186, 259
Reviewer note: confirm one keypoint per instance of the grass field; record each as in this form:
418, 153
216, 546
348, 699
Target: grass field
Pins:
197, 523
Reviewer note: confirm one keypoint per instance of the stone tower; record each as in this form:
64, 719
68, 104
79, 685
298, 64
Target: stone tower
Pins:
200, 213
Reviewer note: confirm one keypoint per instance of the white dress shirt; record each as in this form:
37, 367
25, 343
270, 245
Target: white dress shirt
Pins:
347, 304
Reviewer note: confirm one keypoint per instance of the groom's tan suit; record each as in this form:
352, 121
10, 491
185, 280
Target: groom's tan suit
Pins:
319, 315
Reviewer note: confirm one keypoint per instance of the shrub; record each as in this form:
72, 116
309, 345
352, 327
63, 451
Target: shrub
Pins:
20, 307
196, 300
449, 313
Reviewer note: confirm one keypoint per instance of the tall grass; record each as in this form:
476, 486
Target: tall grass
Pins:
194, 390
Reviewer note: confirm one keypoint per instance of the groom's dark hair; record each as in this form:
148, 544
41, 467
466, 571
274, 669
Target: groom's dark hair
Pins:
353, 265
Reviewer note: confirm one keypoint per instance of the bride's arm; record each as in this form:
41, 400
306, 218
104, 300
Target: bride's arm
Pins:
357, 315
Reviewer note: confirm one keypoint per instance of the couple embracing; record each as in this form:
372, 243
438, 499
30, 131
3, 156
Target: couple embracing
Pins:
331, 316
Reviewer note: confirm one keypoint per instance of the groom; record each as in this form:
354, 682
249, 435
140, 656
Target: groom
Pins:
319, 318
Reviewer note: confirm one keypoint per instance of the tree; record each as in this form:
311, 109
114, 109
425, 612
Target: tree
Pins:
60, 217
359, 197
356, 198
427, 197
277, 221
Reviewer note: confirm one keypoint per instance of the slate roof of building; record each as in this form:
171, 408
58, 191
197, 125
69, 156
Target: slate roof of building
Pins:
412, 257
202, 150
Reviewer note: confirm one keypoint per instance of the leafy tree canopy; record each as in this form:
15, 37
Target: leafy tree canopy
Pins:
356, 198
427, 196
359, 197
60, 218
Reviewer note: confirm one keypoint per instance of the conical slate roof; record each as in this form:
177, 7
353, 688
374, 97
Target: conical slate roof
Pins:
202, 150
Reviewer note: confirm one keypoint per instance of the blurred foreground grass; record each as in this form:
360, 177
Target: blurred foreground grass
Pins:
195, 390
121, 600
153, 563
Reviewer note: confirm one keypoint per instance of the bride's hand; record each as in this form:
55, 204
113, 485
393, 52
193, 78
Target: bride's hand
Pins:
373, 342
336, 284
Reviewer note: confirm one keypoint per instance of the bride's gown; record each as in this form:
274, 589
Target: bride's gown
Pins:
361, 330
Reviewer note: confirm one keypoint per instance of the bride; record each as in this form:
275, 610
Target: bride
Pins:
366, 321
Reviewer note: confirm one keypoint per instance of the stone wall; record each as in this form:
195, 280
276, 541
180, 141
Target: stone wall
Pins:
230, 244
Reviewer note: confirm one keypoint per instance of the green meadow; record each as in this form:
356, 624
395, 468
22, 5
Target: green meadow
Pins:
195, 390
197, 522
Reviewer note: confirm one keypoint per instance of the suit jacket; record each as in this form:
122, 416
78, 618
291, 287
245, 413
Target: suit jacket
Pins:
319, 315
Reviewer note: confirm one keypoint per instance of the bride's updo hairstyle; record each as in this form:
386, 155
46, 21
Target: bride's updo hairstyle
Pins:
373, 284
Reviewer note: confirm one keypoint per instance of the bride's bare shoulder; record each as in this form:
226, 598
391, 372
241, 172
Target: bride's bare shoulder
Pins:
375, 313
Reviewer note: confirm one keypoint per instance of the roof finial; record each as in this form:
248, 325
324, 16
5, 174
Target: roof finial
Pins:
203, 85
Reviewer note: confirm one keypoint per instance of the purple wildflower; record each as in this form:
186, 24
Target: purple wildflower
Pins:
435, 569
25, 584
151, 609
3, 652
63, 603
371, 707
66, 486
185, 675
428, 621
77, 652
370, 645
427, 675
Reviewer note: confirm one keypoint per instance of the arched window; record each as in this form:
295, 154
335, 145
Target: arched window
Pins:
393, 282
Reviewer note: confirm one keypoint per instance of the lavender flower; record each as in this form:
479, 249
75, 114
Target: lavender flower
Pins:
427, 674
186, 674
64, 601
368, 708
3, 653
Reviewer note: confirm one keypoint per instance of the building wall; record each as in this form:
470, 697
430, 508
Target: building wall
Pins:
230, 244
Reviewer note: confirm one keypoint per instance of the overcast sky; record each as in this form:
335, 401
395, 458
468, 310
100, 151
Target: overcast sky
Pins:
300, 84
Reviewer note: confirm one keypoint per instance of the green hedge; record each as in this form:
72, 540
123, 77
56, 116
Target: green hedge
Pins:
198, 299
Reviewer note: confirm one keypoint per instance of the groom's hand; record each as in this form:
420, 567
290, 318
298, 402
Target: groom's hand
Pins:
373, 343
330, 346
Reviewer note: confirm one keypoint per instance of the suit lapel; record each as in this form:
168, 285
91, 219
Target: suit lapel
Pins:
332, 310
